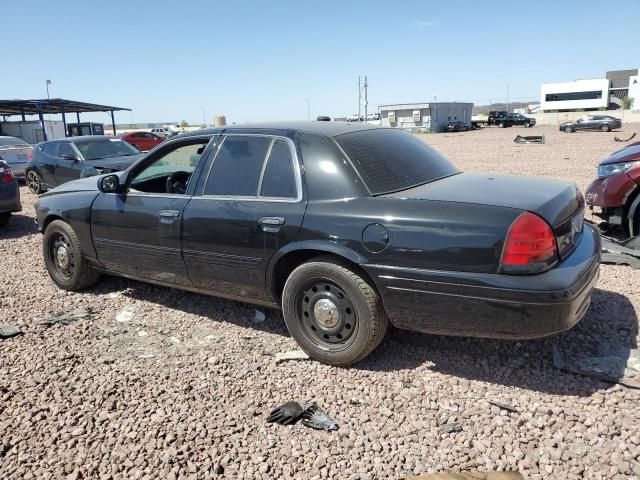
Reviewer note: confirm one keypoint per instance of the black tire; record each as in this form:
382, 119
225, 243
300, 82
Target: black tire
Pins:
34, 182
501, 125
361, 321
604, 128
4, 219
527, 125
568, 129
78, 274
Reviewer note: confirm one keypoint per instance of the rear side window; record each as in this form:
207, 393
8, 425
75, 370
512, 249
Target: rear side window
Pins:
279, 178
237, 167
50, 148
390, 160
65, 149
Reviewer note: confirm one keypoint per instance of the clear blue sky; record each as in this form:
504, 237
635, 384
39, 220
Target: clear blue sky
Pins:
259, 60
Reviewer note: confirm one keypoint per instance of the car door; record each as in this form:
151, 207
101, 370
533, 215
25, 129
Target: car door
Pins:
248, 207
138, 232
48, 162
69, 163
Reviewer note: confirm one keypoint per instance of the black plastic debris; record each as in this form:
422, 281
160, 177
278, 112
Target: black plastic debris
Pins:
625, 139
618, 253
311, 415
286, 414
316, 418
65, 318
529, 139
9, 331
450, 428
504, 406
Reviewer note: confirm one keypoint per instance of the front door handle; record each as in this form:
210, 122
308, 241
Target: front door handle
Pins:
271, 224
168, 216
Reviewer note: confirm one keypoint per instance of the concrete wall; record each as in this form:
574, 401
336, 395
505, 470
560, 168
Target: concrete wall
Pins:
443, 113
549, 118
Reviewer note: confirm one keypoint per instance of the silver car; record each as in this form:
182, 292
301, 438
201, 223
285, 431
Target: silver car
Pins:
16, 153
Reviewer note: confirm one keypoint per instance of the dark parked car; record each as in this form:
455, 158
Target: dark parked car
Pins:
143, 141
604, 123
456, 126
16, 153
345, 226
615, 195
9, 193
519, 119
60, 161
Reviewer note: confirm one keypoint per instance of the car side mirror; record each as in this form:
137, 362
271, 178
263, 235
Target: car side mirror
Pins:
109, 184
71, 156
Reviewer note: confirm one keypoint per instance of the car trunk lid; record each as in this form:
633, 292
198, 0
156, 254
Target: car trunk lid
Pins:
559, 203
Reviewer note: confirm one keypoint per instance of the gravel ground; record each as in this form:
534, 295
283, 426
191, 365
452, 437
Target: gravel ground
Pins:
157, 383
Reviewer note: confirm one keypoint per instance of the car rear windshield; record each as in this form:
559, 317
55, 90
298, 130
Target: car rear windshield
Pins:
390, 160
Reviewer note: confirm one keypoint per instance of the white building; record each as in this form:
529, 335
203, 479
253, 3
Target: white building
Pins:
431, 116
592, 94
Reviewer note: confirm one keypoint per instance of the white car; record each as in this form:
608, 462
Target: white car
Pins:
354, 118
161, 132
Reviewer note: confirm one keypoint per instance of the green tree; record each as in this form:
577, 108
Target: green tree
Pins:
627, 103
184, 123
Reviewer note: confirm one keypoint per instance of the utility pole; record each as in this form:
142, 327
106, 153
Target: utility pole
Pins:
359, 98
507, 97
308, 109
366, 101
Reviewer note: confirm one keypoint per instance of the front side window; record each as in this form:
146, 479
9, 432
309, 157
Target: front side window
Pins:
237, 167
66, 150
50, 149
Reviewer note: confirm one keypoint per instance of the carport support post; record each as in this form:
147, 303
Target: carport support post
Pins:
22, 113
64, 121
113, 123
78, 116
44, 128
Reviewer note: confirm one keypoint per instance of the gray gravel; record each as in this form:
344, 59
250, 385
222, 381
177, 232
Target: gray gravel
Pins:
156, 383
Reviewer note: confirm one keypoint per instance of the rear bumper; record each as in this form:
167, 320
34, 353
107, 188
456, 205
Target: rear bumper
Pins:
492, 305
10, 198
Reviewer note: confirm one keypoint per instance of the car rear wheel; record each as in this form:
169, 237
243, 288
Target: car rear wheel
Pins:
4, 219
527, 125
604, 128
568, 129
501, 125
34, 182
64, 258
334, 314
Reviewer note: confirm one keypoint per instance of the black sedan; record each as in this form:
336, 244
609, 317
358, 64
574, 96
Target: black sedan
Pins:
456, 126
59, 161
9, 193
344, 226
604, 123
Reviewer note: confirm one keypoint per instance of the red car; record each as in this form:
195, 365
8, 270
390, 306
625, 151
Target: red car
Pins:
615, 195
144, 141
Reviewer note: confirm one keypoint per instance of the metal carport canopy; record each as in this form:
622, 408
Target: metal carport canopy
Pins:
54, 105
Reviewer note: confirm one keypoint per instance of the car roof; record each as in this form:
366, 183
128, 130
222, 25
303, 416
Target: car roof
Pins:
329, 129
81, 139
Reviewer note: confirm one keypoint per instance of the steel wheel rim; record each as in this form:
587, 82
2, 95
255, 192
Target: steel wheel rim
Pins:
33, 182
62, 256
327, 314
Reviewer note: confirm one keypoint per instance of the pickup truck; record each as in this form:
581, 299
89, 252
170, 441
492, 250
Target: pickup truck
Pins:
511, 119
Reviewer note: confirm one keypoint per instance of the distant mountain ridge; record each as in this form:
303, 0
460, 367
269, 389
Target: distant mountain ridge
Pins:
485, 109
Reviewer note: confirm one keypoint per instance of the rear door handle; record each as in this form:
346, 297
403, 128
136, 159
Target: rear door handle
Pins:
271, 224
168, 216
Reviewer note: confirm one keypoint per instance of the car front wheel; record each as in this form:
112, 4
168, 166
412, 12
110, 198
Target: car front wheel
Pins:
527, 125
568, 129
334, 314
64, 258
501, 125
604, 128
34, 182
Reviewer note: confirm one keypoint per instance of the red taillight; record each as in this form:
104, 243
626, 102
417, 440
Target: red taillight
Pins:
30, 154
530, 241
6, 174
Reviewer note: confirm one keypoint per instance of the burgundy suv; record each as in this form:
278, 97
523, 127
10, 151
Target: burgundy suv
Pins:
615, 195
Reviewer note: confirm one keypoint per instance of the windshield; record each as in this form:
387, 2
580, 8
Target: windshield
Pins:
390, 160
4, 141
105, 148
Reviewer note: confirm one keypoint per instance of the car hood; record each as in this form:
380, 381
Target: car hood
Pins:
553, 200
114, 163
627, 154
86, 184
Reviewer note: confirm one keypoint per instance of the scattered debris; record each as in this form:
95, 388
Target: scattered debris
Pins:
316, 418
450, 428
258, 318
529, 139
605, 361
126, 314
504, 406
311, 414
286, 414
66, 318
292, 355
469, 476
9, 331
624, 139
143, 333
617, 253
